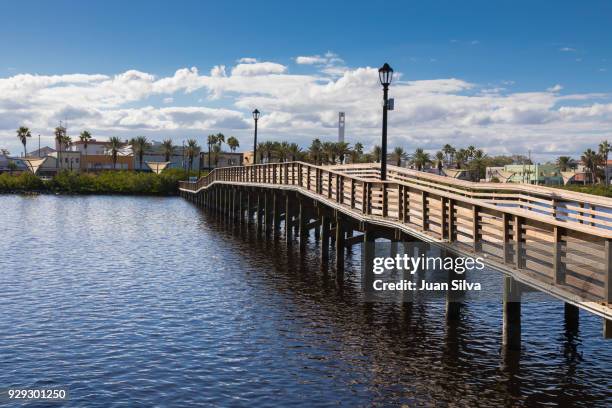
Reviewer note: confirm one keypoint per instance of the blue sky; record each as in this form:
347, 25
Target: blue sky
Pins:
507, 47
482, 41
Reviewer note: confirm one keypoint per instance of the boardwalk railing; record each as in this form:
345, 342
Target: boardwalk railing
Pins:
560, 238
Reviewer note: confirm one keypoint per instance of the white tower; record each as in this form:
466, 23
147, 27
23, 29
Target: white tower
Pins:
341, 127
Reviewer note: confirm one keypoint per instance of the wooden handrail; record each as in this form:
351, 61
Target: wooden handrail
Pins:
491, 223
578, 218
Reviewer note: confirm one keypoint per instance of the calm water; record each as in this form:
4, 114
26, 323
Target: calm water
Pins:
150, 302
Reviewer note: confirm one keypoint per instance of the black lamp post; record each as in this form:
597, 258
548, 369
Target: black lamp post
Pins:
385, 74
256, 117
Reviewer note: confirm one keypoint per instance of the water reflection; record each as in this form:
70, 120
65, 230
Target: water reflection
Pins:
416, 356
145, 302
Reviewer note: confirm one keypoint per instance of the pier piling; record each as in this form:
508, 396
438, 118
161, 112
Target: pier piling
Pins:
511, 314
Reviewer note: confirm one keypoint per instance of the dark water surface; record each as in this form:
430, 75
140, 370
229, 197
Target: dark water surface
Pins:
150, 302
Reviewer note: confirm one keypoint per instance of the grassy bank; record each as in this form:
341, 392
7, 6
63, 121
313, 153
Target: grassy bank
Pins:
597, 189
109, 182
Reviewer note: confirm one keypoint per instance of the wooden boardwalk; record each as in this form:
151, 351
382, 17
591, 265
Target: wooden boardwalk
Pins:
552, 240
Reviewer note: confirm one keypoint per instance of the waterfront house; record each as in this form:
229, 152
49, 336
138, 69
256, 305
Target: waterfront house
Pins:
539, 174
100, 162
42, 152
94, 147
222, 159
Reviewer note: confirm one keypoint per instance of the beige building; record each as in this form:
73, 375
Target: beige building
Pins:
223, 159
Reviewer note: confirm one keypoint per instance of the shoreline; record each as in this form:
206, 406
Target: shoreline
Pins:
67, 193
107, 182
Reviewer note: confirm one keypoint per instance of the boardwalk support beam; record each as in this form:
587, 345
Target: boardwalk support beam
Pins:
339, 248
325, 224
511, 314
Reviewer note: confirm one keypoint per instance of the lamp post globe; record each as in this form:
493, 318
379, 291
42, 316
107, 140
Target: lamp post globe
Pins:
256, 118
385, 75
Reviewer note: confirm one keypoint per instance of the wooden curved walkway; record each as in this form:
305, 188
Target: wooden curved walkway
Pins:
556, 241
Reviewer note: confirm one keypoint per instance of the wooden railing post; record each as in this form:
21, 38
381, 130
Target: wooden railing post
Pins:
329, 185
364, 197
451, 220
444, 218
608, 272
506, 237
406, 204
352, 193
400, 203
299, 183
274, 166
476, 229
286, 173
320, 182
424, 220
385, 200
519, 261
558, 266
308, 178
367, 197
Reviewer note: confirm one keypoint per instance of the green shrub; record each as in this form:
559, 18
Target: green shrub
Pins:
597, 189
108, 182
20, 182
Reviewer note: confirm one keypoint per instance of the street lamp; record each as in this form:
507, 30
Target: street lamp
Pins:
256, 117
385, 75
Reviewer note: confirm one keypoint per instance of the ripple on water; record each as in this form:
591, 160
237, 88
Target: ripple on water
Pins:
148, 301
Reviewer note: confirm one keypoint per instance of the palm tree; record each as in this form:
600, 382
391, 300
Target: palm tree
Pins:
590, 159
398, 155
461, 158
217, 150
192, 151
168, 149
113, 145
315, 150
449, 152
329, 152
85, 137
211, 140
420, 159
270, 148
282, 149
294, 151
478, 164
261, 151
356, 152
376, 153
565, 163
471, 151
220, 138
23, 133
342, 149
59, 132
66, 143
233, 143
139, 144
440, 156
216, 153
604, 150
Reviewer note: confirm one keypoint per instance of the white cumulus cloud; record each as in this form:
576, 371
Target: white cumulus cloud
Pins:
428, 113
258, 68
